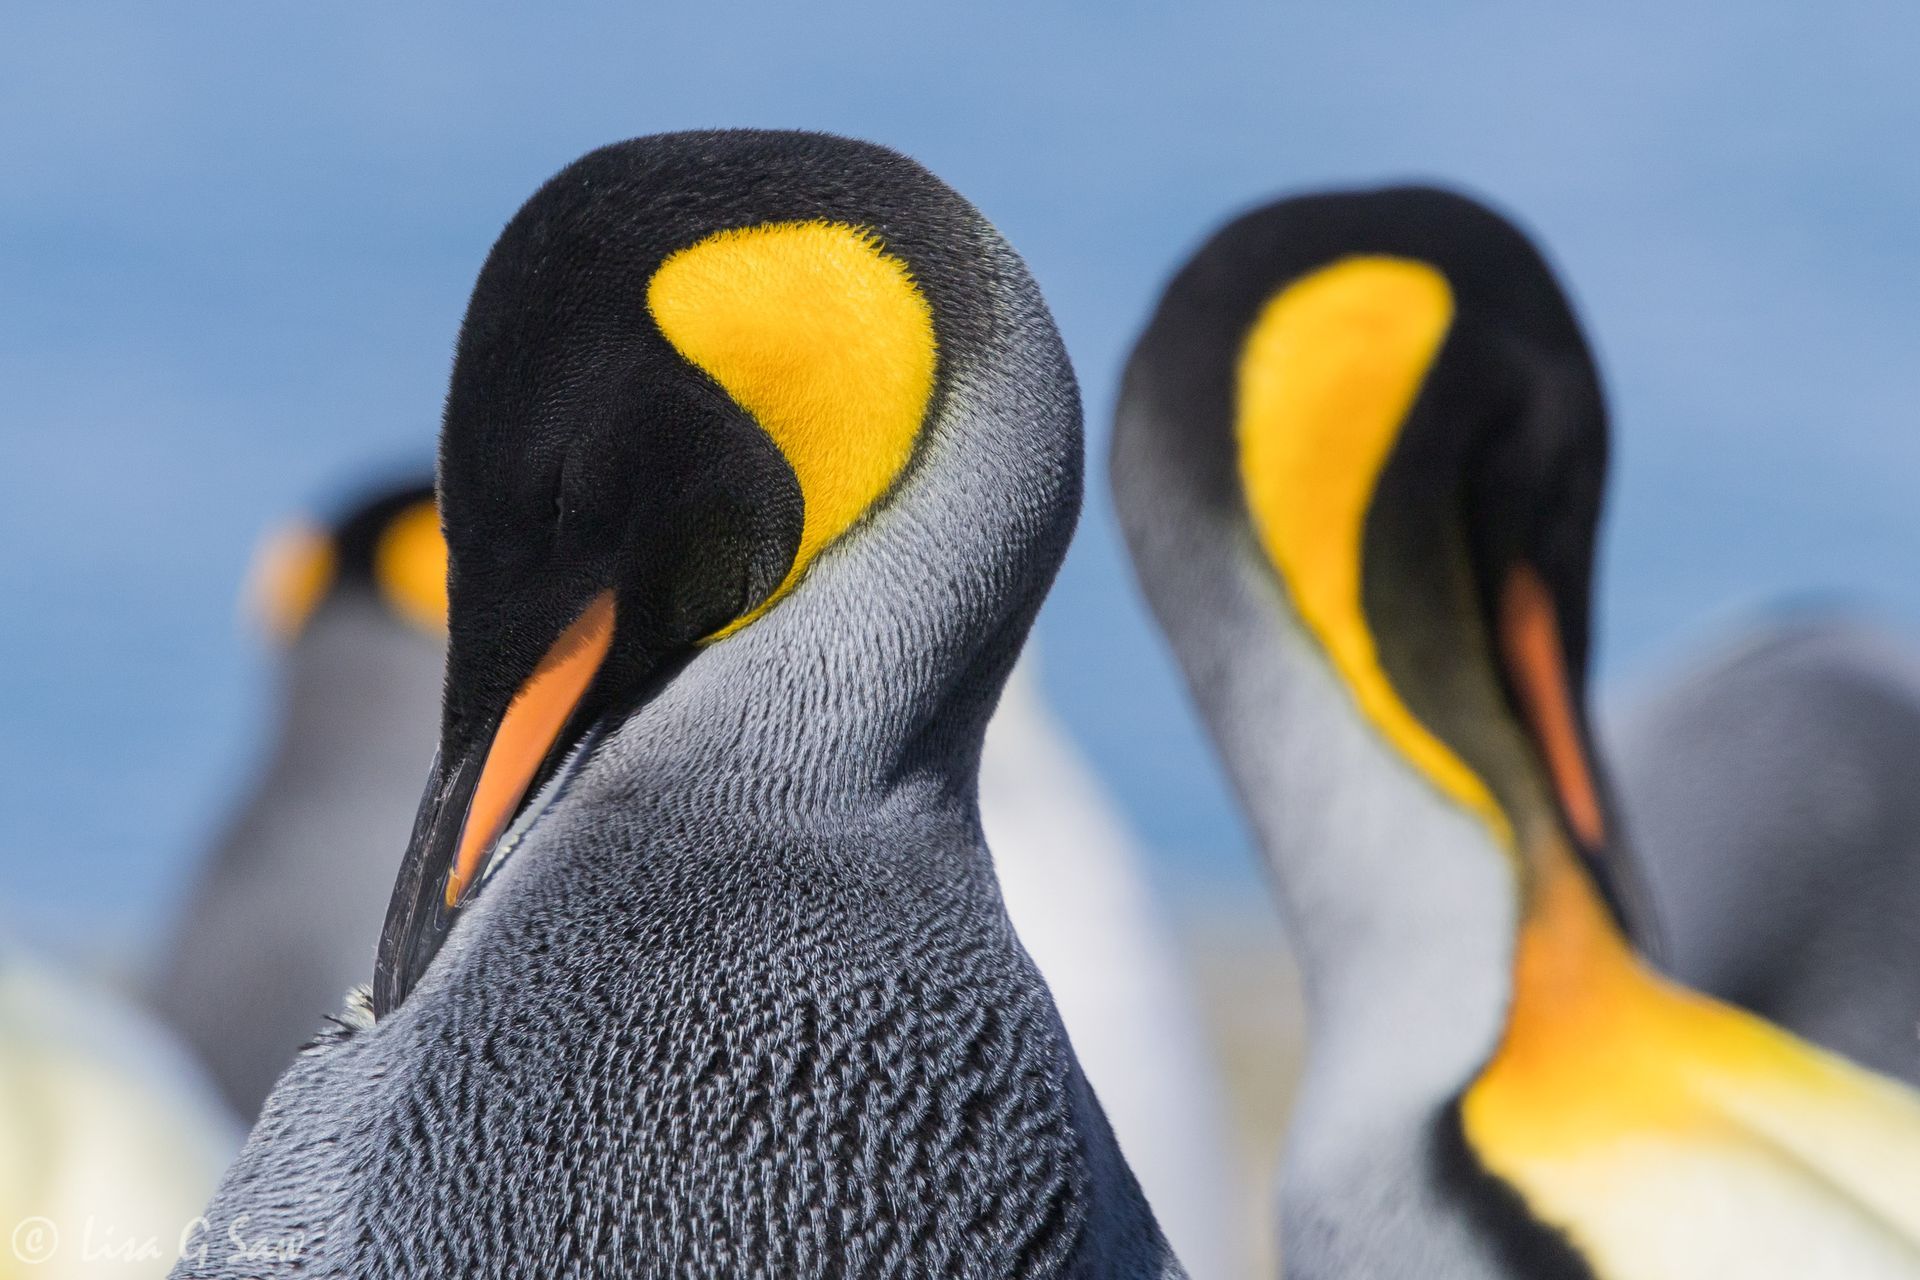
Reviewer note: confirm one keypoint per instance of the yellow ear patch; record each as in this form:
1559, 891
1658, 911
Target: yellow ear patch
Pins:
826, 340
410, 564
292, 570
1327, 374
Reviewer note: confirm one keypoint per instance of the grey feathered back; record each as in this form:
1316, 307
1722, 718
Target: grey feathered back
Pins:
1770, 791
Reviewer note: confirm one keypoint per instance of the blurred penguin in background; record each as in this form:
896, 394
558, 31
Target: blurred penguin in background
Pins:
284, 914
1770, 789
1359, 456
111, 1138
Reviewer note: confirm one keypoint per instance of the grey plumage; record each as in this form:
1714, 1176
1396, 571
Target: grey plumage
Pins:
1770, 791
284, 914
1078, 890
744, 1001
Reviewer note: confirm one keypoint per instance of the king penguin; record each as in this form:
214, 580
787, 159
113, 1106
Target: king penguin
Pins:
1358, 458
761, 451
284, 914
1769, 790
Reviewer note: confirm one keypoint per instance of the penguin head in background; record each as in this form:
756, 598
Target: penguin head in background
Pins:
693, 368
385, 544
1396, 398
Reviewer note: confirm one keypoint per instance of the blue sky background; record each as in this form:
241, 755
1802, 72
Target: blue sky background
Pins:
235, 241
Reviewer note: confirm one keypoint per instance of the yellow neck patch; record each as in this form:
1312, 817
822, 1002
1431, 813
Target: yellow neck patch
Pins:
410, 564
826, 340
1328, 372
291, 573
1670, 1135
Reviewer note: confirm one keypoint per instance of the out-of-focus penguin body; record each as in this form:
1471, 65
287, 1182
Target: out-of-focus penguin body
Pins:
110, 1137
760, 454
284, 915
1358, 457
1770, 791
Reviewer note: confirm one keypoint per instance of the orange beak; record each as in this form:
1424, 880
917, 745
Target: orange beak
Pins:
527, 734
1536, 661
471, 801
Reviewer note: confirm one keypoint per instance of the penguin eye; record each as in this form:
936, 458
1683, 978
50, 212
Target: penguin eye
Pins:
572, 492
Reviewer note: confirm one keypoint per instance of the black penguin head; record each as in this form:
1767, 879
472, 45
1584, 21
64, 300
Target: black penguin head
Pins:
1392, 389
384, 543
690, 364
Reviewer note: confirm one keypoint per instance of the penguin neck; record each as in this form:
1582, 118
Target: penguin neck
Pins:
1402, 908
882, 667
1445, 963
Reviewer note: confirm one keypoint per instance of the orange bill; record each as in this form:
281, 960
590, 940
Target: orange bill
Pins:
527, 734
1536, 663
